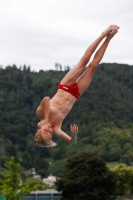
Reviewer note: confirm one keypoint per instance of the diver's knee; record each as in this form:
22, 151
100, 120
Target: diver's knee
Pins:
93, 65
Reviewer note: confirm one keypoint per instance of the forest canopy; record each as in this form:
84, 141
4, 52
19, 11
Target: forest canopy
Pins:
104, 116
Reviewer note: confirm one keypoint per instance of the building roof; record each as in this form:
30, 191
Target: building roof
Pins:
48, 191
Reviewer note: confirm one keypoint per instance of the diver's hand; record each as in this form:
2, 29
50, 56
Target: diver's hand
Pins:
74, 131
41, 123
74, 128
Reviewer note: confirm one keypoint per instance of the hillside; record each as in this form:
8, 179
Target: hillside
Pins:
104, 116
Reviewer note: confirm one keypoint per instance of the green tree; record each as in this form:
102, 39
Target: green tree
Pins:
124, 176
86, 177
11, 187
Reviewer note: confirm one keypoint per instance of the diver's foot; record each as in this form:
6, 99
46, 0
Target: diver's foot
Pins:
110, 29
112, 33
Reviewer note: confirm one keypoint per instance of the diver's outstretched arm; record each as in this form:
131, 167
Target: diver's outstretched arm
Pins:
74, 130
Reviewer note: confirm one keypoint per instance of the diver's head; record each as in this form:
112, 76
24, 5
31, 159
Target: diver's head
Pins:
44, 136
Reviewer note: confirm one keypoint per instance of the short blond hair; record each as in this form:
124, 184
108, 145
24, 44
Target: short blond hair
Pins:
42, 142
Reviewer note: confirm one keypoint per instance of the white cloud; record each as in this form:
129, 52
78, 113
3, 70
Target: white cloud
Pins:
41, 32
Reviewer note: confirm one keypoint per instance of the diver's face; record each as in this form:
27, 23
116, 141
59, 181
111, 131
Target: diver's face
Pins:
46, 131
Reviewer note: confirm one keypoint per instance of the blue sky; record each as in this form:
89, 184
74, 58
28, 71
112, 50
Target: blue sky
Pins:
41, 33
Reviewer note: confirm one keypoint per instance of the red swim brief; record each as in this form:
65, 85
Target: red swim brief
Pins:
72, 89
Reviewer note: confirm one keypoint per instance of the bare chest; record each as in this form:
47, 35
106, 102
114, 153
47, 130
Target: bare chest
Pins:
59, 108
58, 111
55, 115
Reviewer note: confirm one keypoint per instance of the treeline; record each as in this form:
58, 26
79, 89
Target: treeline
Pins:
85, 177
104, 116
